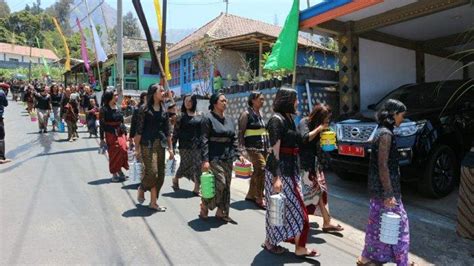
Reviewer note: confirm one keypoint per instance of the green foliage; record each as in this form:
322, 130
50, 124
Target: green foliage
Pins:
4, 9
37, 72
130, 26
204, 59
270, 74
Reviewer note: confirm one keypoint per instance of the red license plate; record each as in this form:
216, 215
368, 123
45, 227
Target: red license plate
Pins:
351, 150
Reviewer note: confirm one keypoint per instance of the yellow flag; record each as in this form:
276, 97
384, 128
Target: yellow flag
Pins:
166, 64
67, 65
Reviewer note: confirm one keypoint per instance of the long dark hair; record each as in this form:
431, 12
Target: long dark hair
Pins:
107, 97
390, 108
150, 99
142, 98
320, 113
193, 100
285, 101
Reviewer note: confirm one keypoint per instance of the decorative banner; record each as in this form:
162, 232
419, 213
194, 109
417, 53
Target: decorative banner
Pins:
163, 46
84, 55
46, 67
155, 68
67, 65
101, 55
284, 51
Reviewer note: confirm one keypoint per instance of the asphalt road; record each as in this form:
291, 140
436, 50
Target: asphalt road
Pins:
57, 206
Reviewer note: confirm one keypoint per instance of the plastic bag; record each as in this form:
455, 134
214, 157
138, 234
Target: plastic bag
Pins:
136, 171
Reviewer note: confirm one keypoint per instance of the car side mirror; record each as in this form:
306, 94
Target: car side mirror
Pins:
371, 107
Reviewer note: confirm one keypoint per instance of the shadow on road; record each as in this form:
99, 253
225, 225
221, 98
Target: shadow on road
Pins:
131, 186
244, 205
266, 258
180, 194
200, 225
100, 182
68, 151
139, 211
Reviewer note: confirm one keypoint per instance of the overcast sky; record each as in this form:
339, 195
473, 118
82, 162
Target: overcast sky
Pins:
185, 14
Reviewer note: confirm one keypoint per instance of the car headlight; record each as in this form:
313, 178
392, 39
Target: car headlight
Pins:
409, 128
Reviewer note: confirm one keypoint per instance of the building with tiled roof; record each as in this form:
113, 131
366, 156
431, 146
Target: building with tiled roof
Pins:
14, 56
240, 39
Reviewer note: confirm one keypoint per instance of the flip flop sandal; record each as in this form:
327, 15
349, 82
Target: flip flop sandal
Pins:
337, 228
277, 250
175, 185
140, 200
158, 208
261, 205
369, 263
314, 253
249, 199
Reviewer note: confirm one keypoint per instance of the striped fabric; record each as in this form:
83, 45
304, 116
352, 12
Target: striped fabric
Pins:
465, 226
294, 214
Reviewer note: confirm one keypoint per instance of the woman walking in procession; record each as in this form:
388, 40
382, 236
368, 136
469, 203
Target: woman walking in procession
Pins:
253, 139
91, 118
384, 190
69, 112
43, 106
219, 150
114, 134
56, 98
152, 136
281, 176
134, 120
315, 192
187, 132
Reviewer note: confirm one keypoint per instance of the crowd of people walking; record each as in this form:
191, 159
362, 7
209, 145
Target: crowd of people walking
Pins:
287, 158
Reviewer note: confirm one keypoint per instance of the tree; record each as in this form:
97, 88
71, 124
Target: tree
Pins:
36, 9
205, 58
130, 26
24, 24
4, 9
60, 10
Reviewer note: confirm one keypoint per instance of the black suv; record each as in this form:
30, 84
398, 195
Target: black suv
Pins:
438, 130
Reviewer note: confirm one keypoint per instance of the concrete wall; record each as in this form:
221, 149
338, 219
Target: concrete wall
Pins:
229, 62
438, 68
383, 68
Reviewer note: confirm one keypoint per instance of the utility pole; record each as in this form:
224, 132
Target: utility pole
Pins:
226, 6
95, 48
29, 66
119, 74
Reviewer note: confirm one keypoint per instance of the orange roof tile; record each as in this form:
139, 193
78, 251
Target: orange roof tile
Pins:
228, 25
25, 51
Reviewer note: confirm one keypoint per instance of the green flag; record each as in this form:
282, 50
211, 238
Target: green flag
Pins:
284, 51
46, 67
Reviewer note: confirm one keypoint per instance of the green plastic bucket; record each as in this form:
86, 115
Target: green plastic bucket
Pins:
208, 187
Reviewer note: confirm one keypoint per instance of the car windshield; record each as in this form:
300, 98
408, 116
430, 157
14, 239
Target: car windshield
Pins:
426, 96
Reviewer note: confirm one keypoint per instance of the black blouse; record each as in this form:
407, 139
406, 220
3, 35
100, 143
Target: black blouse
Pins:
43, 102
218, 138
111, 120
384, 171
312, 156
282, 128
153, 125
56, 99
188, 131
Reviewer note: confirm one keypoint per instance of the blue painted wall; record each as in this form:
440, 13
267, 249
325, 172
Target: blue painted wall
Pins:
327, 60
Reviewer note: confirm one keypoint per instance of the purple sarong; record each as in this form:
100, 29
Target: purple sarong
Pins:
381, 252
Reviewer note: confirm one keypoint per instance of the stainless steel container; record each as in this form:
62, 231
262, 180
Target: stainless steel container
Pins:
276, 209
390, 228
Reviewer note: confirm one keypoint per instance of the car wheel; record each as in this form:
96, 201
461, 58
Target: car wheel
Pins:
440, 174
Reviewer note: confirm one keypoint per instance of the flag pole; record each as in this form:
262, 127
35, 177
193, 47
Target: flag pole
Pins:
95, 48
163, 45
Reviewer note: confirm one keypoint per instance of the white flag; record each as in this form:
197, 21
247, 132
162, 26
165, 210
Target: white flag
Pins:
101, 55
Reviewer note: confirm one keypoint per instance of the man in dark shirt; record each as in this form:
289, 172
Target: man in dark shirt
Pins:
43, 105
3, 104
